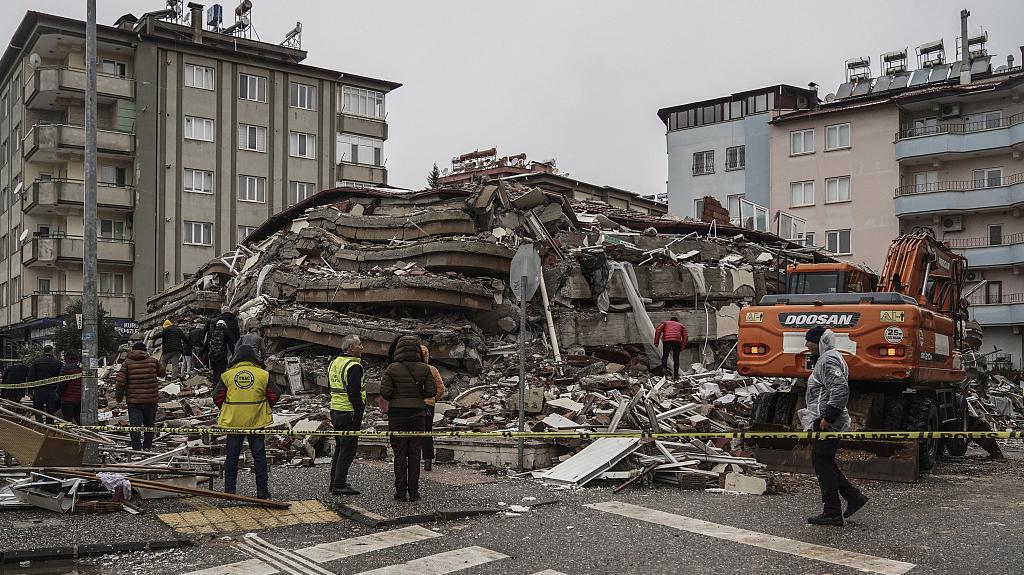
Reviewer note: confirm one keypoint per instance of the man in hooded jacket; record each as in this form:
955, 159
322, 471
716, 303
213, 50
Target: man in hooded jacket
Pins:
828, 390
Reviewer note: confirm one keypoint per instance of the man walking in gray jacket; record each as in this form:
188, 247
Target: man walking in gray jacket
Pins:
828, 390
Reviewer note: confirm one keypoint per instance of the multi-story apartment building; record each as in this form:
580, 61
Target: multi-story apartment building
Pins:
202, 136
938, 147
720, 148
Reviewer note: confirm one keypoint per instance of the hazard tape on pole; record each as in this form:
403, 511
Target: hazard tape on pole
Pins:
814, 435
48, 381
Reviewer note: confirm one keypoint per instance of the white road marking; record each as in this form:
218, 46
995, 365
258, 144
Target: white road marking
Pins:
289, 561
859, 561
549, 572
441, 563
325, 552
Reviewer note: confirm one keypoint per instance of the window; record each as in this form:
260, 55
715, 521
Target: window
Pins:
18, 88
995, 234
111, 283
994, 292
4, 106
16, 138
198, 181
735, 158
733, 205
302, 96
112, 175
837, 190
252, 189
3, 294
802, 194
924, 126
199, 77
360, 102
244, 231
3, 153
992, 119
808, 239
837, 137
3, 204
199, 233
252, 88
43, 231
698, 208
926, 181
360, 150
113, 68
987, 178
112, 229
704, 162
298, 191
43, 285
302, 145
198, 129
15, 290
838, 242
801, 142
15, 239
3, 247
252, 138
787, 226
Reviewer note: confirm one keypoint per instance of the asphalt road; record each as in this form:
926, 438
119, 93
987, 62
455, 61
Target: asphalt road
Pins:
964, 518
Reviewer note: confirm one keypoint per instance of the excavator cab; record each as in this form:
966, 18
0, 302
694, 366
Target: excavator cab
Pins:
829, 278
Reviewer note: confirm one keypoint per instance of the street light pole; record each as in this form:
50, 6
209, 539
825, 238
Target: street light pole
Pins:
90, 387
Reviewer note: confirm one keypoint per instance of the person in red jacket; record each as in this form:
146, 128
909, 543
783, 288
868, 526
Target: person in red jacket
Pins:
70, 392
673, 335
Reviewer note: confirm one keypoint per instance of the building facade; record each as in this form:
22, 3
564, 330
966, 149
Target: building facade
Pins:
201, 136
721, 148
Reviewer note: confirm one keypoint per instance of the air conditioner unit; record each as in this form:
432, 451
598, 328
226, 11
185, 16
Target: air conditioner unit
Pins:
974, 276
952, 223
950, 111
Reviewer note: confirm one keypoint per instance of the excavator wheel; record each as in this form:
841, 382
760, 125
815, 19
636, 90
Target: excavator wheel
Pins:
956, 447
919, 418
895, 411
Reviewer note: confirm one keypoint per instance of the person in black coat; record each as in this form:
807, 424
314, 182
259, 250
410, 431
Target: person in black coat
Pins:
16, 372
45, 398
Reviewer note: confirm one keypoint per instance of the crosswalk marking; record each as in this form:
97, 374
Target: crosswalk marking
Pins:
285, 560
247, 567
442, 563
859, 561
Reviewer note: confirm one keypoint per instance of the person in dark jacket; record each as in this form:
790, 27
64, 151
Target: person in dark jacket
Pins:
406, 382
196, 341
137, 385
231, 320
253, 339
70, 392
175, 345
44, 398
16, 372
221, 349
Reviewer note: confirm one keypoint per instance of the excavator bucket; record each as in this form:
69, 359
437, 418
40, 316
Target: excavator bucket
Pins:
861, 459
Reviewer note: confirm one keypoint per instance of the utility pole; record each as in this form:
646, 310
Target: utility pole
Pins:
90, 387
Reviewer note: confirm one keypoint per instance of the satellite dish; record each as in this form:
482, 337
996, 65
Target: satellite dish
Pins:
23, 236
34, 60
17, 189
830, 97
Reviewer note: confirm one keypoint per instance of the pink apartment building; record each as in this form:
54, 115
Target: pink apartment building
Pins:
940, 147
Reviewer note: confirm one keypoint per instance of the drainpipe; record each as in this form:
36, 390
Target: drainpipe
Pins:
965, 55
196, 18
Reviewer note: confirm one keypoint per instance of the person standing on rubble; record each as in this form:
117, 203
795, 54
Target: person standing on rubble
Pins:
253, 339
16, 372
44, 397
828, 390
231, 321
428, 442
405, 384
673, 335
138, 387
245, 395
174, 346
221, 348
196, 341
70, 392
348, 402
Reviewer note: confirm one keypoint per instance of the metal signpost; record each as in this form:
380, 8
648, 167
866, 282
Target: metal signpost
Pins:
524, 280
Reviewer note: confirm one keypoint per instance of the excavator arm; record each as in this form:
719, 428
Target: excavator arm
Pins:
922, 267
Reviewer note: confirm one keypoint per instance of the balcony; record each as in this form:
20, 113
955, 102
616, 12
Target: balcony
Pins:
362, 173
983, 253
956, 196
50, 86
52, 304
1007, 309
958, 138
68, 197
49, 251
55, 142
363, 126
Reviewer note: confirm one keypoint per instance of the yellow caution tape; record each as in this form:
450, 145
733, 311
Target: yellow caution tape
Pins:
48, 381
861, 435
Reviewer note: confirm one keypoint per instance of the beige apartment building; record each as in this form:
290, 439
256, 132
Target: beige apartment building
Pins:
938, 147
202, 136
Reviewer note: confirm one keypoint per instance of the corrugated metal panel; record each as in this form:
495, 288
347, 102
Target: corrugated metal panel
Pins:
592, 461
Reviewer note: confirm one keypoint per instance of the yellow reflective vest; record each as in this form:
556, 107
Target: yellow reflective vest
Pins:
245, 404
338, 377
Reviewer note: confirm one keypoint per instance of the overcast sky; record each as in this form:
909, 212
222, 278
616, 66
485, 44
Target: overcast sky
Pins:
581, 81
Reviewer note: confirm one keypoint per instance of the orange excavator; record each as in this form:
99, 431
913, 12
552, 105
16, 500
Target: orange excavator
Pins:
901, 341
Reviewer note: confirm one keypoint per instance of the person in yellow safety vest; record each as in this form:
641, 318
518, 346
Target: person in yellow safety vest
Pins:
245, 395
348, 402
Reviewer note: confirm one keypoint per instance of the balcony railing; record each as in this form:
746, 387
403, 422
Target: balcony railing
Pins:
959, 185
960, 127
68, 137
996, 299
54, 249
985, 242
53, 304
70, 195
